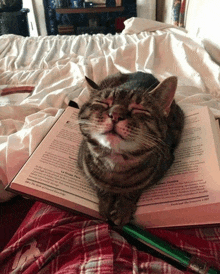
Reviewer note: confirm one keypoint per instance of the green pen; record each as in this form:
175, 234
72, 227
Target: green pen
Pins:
185, 259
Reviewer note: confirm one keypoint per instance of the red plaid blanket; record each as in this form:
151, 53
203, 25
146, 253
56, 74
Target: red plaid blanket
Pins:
54, 241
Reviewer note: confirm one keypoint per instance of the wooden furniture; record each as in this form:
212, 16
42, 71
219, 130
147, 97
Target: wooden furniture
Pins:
91, 14
89, 10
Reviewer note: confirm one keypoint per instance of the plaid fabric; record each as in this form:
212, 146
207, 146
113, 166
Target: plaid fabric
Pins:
54, 241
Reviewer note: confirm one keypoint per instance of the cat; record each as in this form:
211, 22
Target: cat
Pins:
131, 126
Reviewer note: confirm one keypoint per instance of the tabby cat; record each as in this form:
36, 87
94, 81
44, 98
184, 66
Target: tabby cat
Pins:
131, 126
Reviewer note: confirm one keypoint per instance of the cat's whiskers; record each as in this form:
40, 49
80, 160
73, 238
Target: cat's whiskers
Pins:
84, 122
151, 142
158, 143
156, 140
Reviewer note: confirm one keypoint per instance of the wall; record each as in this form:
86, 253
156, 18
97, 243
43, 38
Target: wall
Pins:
146, 9
202, 19
202, 16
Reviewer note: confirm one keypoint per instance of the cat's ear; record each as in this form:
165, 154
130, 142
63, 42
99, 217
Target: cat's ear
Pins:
164, 93
91, 84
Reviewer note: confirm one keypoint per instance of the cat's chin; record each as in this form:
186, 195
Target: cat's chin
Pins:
109, 140
115, 143
116, 159
113, 138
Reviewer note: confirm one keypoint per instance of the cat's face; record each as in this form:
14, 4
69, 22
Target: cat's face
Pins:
123, 120
119, 123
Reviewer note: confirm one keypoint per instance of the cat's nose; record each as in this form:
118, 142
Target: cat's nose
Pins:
116, 113
116, 117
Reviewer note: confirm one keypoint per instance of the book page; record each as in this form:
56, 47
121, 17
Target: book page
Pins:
53, 169
193, 179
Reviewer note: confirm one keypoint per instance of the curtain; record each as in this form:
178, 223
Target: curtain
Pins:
178, 12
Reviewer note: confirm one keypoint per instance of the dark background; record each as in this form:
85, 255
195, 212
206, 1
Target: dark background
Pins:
80, 20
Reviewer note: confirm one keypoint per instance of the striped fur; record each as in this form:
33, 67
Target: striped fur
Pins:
131, 126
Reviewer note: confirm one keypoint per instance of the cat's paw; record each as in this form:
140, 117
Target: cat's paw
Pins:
118, 208
122, 213
119, 219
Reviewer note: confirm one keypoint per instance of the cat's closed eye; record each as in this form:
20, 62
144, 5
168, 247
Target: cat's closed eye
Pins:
98, 103
140, 111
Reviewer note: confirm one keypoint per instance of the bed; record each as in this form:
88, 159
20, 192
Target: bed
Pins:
38, 78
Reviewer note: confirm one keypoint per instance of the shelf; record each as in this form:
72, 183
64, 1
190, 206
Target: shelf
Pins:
89, 10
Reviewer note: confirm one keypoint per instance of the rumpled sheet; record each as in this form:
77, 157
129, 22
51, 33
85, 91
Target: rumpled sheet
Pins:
56, 67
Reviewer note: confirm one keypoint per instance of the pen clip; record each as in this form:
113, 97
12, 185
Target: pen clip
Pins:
198, 266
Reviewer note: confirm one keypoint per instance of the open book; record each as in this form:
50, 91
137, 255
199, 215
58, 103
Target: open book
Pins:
189, 194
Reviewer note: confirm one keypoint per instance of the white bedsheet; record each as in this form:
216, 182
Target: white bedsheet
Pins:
56, 66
